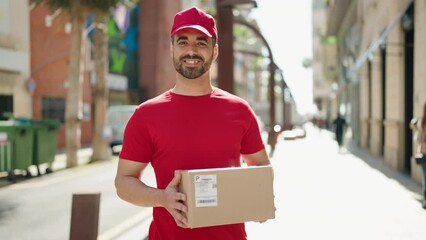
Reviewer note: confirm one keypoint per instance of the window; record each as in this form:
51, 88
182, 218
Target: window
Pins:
53, 108
6, 107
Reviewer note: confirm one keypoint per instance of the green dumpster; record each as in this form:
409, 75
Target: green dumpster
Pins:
45, 141
21, 136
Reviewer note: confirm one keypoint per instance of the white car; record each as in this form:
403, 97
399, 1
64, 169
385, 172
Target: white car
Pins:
117, 117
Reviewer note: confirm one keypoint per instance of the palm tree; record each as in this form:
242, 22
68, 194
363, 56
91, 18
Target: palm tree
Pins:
78, 10
101, 150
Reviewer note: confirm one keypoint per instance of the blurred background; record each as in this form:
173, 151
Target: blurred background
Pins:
64, 64
293, 61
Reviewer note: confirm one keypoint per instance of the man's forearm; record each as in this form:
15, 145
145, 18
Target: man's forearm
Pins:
138, 193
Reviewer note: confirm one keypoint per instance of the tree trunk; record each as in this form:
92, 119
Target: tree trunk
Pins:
101, 149
74, 102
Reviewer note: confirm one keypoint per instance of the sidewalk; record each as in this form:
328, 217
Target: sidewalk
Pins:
43, 204
59, 163
83, 155
321, 193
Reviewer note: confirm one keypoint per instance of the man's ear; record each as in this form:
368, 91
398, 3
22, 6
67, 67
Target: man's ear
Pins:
216, 51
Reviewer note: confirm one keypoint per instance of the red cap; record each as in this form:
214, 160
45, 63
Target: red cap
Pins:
196, 19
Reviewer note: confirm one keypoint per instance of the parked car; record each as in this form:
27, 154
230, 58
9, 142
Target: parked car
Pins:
117, 117
295, 133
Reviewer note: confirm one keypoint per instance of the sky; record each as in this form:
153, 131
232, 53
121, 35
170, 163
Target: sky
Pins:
287, 27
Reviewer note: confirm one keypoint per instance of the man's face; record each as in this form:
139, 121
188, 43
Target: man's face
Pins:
193, 53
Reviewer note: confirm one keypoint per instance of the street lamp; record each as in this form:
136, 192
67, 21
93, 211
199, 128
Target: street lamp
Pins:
225, 21
272, 68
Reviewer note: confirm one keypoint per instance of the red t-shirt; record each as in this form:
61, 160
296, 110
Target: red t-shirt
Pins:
177, 132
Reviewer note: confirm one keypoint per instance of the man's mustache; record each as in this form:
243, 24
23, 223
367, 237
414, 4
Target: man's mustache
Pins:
192, 57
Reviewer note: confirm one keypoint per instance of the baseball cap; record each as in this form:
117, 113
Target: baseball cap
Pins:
196, 19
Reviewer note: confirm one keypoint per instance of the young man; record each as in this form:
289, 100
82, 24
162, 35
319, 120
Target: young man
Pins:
192, 126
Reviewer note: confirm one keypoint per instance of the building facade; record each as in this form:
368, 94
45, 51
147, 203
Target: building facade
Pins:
379, 75
50, 47
16, 85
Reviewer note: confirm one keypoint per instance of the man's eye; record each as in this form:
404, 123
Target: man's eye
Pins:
202, 44
182, 43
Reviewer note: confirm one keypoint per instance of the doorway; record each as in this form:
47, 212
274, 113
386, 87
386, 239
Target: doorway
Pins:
383, 70
370, 103
408, 28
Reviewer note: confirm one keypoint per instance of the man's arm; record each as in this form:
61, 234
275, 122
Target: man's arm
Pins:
131, 189
259, 158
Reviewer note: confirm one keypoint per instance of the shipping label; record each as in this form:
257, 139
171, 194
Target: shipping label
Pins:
205, 190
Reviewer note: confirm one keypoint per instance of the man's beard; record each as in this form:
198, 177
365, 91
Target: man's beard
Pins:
191, 72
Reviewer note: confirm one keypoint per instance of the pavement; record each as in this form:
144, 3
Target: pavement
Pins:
321, 192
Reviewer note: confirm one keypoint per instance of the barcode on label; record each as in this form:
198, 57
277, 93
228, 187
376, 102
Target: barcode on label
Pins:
204, 201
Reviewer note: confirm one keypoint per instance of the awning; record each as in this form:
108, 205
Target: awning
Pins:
381, 39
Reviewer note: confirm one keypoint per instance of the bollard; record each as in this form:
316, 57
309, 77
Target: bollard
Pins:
85, 216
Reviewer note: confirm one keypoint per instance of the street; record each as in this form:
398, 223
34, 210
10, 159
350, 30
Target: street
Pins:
320, 193
40, 208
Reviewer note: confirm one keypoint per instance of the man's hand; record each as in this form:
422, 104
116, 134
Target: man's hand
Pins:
172, 200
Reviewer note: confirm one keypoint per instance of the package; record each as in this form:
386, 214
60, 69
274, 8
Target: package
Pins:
221, 196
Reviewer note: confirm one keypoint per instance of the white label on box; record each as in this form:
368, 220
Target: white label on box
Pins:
205, 190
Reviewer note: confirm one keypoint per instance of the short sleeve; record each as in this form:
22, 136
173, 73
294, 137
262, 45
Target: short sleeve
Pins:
252, 139
137, 141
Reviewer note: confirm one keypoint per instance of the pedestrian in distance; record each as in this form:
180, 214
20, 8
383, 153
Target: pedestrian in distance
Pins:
339, 127
419, 125
194, 125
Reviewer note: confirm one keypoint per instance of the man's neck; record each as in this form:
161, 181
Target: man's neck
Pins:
193, 87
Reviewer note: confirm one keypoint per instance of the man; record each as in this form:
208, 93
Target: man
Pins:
339, 124
192, 126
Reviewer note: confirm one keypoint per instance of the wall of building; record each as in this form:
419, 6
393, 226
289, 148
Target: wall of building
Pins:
419, 95
385, 135
376, 104
394, 151
50, 48
15, 52
382, 13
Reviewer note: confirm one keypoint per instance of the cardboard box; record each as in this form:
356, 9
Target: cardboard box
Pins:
221, 196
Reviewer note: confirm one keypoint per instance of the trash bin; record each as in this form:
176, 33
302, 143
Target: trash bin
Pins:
45, 141
21, 136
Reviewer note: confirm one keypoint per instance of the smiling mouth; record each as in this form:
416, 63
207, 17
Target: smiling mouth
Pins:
192, 61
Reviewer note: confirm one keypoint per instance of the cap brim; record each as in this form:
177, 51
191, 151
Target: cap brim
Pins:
196, 27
